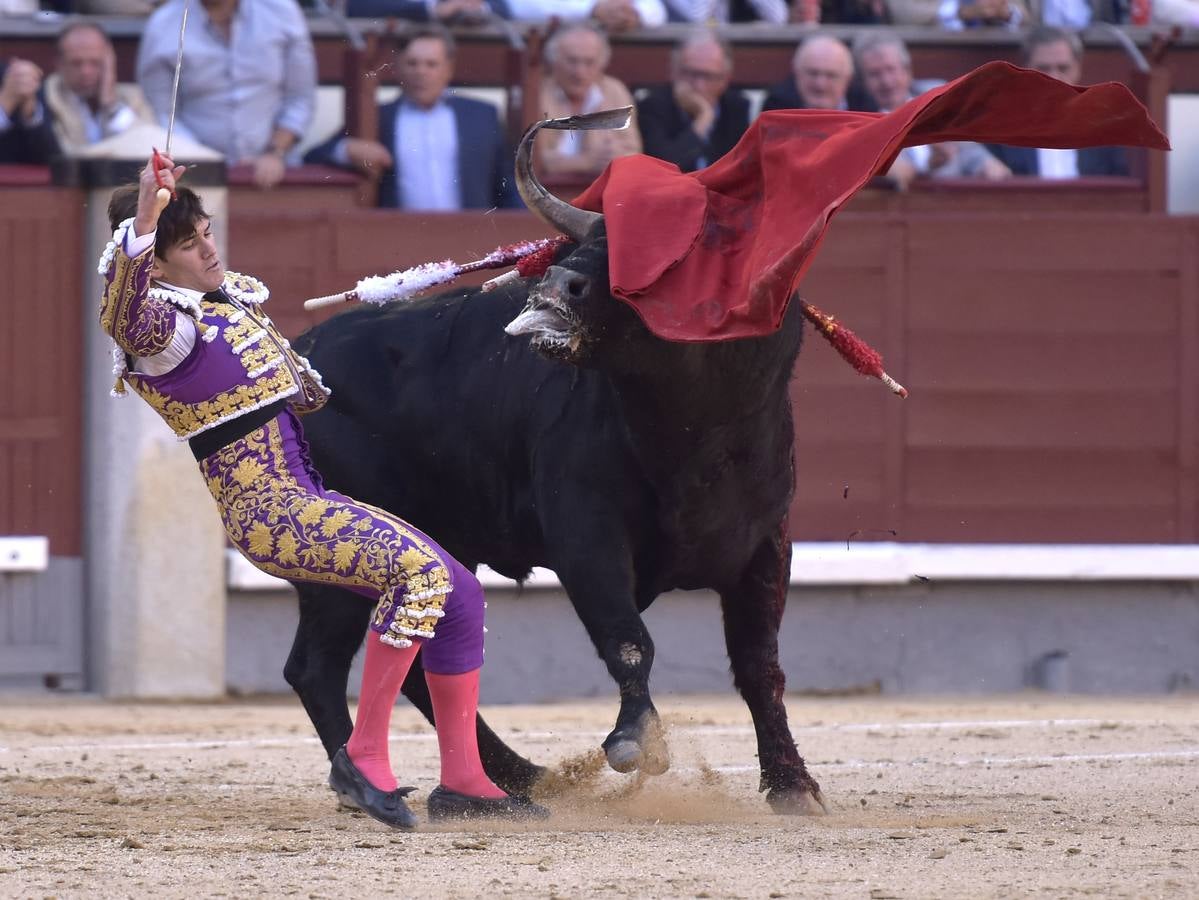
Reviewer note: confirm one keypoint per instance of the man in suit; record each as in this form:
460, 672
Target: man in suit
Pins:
696, 119
26, 135
1058, 53
435, 151
885, 66
821, 71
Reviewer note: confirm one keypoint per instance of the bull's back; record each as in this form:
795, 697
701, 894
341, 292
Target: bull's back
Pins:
436, 415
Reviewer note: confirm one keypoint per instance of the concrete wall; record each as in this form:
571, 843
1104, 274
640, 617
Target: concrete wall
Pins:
936, 637
154, 545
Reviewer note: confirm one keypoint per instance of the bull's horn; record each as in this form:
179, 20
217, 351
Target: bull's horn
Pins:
570, 220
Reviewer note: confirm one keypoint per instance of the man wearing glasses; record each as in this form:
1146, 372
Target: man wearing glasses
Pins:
696, 119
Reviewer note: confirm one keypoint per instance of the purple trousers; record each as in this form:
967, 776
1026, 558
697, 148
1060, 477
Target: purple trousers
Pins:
281, 517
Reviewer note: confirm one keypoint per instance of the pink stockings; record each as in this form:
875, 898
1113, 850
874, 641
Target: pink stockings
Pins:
455, 701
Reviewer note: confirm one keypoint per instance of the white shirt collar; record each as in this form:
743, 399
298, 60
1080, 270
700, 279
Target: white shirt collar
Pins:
190, 294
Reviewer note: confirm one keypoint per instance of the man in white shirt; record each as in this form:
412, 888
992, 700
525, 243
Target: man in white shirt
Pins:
614, 15
248, 83
1058, 53
885, 67
434, 151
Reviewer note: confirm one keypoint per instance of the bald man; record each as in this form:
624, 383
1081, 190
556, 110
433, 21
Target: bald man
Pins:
83, 97
820, 74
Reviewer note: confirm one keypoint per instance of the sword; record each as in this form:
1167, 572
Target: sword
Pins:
164, 196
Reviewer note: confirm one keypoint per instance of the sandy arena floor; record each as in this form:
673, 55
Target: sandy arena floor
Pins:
1018, 796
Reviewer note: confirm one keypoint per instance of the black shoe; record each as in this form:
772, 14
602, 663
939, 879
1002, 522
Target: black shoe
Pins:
354, 790
445, 805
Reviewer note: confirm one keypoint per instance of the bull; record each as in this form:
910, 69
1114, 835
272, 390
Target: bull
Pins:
545, 425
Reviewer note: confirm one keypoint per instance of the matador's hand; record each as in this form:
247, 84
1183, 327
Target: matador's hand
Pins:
160, 171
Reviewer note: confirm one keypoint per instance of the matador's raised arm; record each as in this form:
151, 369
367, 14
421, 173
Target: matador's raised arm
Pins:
141, 325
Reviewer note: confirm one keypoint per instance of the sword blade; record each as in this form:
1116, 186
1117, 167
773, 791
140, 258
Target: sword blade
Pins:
175, 85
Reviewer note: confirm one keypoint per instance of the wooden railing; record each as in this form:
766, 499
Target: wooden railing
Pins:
1053, 359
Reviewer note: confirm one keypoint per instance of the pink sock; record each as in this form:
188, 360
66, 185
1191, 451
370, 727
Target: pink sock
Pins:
383, 672
455, 701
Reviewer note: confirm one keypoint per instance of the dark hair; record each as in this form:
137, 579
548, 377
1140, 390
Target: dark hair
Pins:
432, 30
176, 223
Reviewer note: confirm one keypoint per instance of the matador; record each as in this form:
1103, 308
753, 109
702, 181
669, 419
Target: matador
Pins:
193, 341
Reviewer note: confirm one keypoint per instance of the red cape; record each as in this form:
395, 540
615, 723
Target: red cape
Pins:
717, 254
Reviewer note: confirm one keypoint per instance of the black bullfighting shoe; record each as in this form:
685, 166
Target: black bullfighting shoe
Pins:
446, 805
354, 790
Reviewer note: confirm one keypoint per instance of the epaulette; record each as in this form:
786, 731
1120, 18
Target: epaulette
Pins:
246, 288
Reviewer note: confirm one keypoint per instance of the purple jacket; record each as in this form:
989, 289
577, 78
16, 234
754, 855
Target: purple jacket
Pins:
238, 363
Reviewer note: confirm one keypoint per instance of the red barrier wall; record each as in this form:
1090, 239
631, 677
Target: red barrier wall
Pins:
1053, 359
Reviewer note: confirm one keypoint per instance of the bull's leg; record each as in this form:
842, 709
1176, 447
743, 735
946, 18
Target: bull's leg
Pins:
503, 765
601, 591
753, 611
332, 622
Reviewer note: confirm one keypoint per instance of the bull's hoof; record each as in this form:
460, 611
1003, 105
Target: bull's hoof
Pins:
518, 782
642, 750
797, 801
624, 755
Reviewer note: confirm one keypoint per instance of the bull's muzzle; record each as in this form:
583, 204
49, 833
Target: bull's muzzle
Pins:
547, 315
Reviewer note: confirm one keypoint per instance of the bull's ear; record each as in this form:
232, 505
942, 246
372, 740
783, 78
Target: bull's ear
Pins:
570, 220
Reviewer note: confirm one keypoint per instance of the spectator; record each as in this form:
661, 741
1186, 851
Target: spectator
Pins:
614, 16
83, 98
1058, 53
821, 70
435, 150
576, 57
110, 7
853, 12
248, 83
914, 12
696, 119
955, 15
1184, 13
25, 132
1076, 14
778, 12
449, 12
885, 67
705, 12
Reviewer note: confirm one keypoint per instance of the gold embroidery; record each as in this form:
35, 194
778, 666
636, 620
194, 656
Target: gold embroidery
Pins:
287, 531
258, 355
274, 369
151, 332
188, 419
238, 331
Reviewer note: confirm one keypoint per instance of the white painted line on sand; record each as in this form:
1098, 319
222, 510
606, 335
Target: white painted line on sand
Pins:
729, 730
925, 762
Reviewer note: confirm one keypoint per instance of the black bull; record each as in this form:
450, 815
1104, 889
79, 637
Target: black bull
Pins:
628, 465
